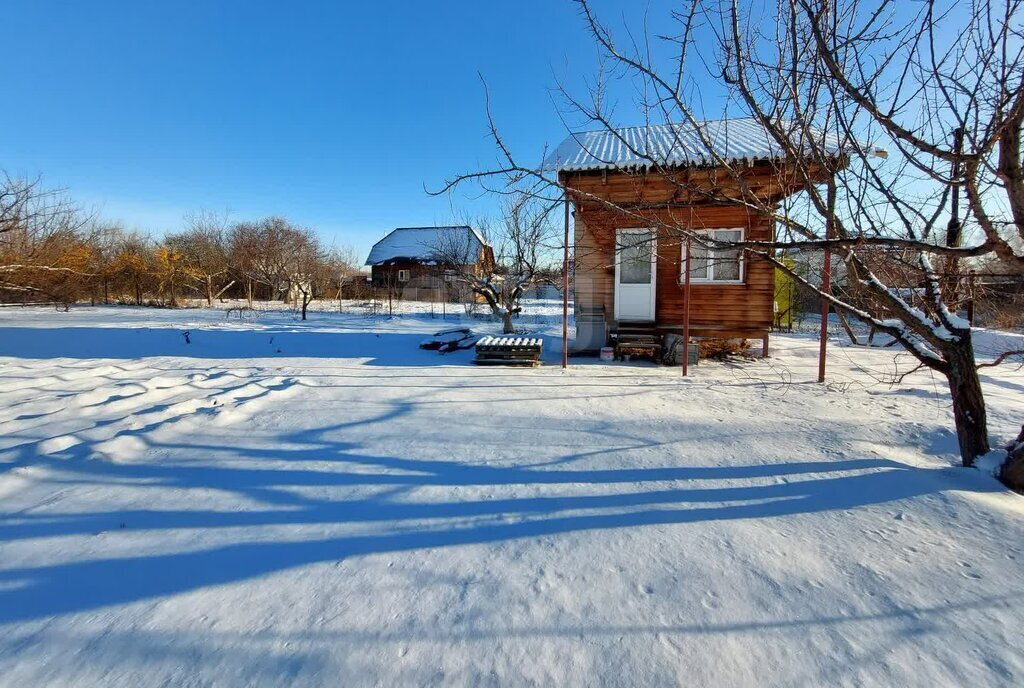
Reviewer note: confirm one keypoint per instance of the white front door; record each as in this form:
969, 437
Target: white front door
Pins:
635, 267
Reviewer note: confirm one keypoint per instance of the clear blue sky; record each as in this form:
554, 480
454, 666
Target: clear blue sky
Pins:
334, 114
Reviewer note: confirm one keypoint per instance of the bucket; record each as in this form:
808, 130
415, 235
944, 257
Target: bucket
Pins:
607, 353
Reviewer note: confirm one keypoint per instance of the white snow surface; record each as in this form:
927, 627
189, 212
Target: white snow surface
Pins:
322, 503
510, 340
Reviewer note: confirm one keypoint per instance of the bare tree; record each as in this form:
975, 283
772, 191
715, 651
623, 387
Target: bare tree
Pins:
306, 271
169, 270
341, 265
52, 250
44, 247
243, 246
134, 266
520, 241
104, 242
204, 253
939, 87
268, 259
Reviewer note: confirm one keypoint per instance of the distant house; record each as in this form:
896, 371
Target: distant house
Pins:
425, 258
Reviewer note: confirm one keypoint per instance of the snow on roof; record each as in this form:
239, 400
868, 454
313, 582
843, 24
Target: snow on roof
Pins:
423, 243
675, 145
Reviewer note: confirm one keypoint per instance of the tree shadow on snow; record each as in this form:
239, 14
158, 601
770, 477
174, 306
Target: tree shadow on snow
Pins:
613, 499
380, 348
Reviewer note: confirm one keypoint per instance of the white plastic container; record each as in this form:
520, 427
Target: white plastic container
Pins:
607, 353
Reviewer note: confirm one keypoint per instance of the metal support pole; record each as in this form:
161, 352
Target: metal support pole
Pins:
826, 288
686, 313
565, 290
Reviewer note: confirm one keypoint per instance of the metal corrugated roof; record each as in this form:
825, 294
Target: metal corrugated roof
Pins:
423, 243
672, 145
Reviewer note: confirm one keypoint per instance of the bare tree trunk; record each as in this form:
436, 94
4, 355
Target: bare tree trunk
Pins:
506, 322
846, 327
248, 291
224, 289
306, 298
968, 402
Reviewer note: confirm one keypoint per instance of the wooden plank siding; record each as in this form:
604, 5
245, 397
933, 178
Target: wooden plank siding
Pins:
740, 308
384, 275
419, 271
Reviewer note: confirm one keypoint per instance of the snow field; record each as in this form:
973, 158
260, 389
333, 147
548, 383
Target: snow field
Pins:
319, 503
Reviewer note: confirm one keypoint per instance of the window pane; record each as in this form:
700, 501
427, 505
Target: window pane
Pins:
727, 261
698, 262
635, 259
727, 265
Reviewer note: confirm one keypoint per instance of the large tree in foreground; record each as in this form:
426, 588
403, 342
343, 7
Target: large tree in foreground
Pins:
938, 85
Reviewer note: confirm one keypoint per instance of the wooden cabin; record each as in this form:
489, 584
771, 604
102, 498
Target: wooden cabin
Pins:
631, 274
421, 258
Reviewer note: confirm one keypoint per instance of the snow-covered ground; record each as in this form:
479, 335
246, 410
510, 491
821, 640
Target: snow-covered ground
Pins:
322, 503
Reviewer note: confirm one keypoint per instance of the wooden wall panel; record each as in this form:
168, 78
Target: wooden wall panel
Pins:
689, 186
594, 276
747, 306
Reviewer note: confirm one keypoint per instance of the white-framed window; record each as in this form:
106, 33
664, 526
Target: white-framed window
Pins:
403, 275
449, 276
715, 265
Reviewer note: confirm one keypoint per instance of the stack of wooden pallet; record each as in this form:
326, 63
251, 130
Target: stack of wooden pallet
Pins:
509, 350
